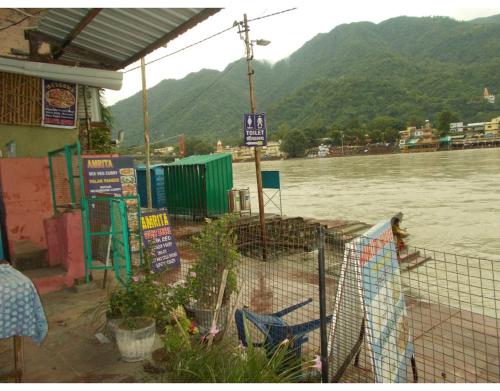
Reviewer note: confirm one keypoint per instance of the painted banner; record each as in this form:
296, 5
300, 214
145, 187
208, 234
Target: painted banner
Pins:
158, 238
370, 275
59, 104
114, 176
254, 130
387, 324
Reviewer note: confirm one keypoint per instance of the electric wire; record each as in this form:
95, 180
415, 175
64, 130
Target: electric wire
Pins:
182, 49
207, 38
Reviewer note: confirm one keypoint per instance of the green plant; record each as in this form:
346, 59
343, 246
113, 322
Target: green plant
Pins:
143, 296
225, 363
100, 140
216, 246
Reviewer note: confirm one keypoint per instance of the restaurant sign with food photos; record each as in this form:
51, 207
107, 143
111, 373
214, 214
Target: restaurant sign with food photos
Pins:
59, 104
113, 176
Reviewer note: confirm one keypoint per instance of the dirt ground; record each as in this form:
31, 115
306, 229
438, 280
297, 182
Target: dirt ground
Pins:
71, 352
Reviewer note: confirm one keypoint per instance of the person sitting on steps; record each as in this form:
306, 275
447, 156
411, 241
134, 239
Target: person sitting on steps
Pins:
399, 233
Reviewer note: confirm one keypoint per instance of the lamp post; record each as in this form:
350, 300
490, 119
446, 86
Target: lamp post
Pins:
249, 57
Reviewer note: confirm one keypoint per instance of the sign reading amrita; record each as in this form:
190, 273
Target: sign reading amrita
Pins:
110, 175
115, 177
254, 130
158, 238
370, 303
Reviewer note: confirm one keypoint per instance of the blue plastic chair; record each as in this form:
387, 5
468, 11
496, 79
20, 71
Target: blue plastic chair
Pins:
275, 329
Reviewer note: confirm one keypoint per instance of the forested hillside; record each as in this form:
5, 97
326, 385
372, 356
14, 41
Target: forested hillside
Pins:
360, 76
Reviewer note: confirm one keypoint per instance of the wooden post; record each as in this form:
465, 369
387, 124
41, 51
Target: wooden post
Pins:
18, 358
253, 108
146, 133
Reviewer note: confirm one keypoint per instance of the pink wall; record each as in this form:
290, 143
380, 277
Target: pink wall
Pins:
65, 243
27, 198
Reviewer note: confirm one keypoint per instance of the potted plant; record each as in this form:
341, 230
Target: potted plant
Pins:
216, 246
142, 306
135, 333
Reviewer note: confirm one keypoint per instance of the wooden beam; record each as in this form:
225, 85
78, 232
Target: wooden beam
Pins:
206, 13
85, 53
77, 30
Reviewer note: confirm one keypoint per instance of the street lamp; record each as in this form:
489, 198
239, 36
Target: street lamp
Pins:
261, 42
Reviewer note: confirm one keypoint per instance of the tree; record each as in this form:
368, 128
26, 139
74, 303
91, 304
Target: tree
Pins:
336, 136
444, 118
196, 146
280, 133
294, 143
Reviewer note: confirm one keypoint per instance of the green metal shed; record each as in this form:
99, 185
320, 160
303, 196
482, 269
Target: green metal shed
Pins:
198, 185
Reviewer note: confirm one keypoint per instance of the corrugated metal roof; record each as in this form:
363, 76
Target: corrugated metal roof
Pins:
118, 34
199, 159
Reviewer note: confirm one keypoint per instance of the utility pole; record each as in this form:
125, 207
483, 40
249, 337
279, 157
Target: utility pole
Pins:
146, 133
253, 109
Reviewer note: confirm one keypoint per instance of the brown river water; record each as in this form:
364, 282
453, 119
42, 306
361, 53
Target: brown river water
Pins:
450, 201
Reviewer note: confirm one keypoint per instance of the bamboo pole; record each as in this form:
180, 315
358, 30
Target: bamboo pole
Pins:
146, 133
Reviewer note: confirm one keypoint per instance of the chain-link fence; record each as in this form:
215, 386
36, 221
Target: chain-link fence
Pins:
388, 315
451, 314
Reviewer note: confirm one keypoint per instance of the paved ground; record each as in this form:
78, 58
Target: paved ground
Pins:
70, 352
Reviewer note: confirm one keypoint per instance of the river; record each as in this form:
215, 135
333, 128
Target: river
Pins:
450, 201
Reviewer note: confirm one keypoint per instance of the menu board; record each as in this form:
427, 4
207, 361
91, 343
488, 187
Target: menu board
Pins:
158, 238
110, 175
59, 104
114, 177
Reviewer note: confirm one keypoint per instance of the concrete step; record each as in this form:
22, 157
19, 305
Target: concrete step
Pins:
29, 255
47, 279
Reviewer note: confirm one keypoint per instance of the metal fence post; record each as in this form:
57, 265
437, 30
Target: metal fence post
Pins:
322, 304
69, 168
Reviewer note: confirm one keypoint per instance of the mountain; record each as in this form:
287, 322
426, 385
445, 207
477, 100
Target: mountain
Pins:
406, 68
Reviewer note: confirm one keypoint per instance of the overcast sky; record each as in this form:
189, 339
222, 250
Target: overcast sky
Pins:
287, 32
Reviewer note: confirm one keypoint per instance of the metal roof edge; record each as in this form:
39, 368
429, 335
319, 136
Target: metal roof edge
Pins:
87, 76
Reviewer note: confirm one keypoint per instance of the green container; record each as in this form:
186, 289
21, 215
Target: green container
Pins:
198, 185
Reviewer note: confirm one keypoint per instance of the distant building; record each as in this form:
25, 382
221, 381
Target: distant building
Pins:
492, 128
419, 140
487, 96
405, 135
323, 150
272, 150
164, 151
220, 148
241, 153
456, 127
475, 127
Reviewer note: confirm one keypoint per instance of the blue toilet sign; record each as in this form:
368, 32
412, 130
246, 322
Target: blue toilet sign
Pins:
254, 130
